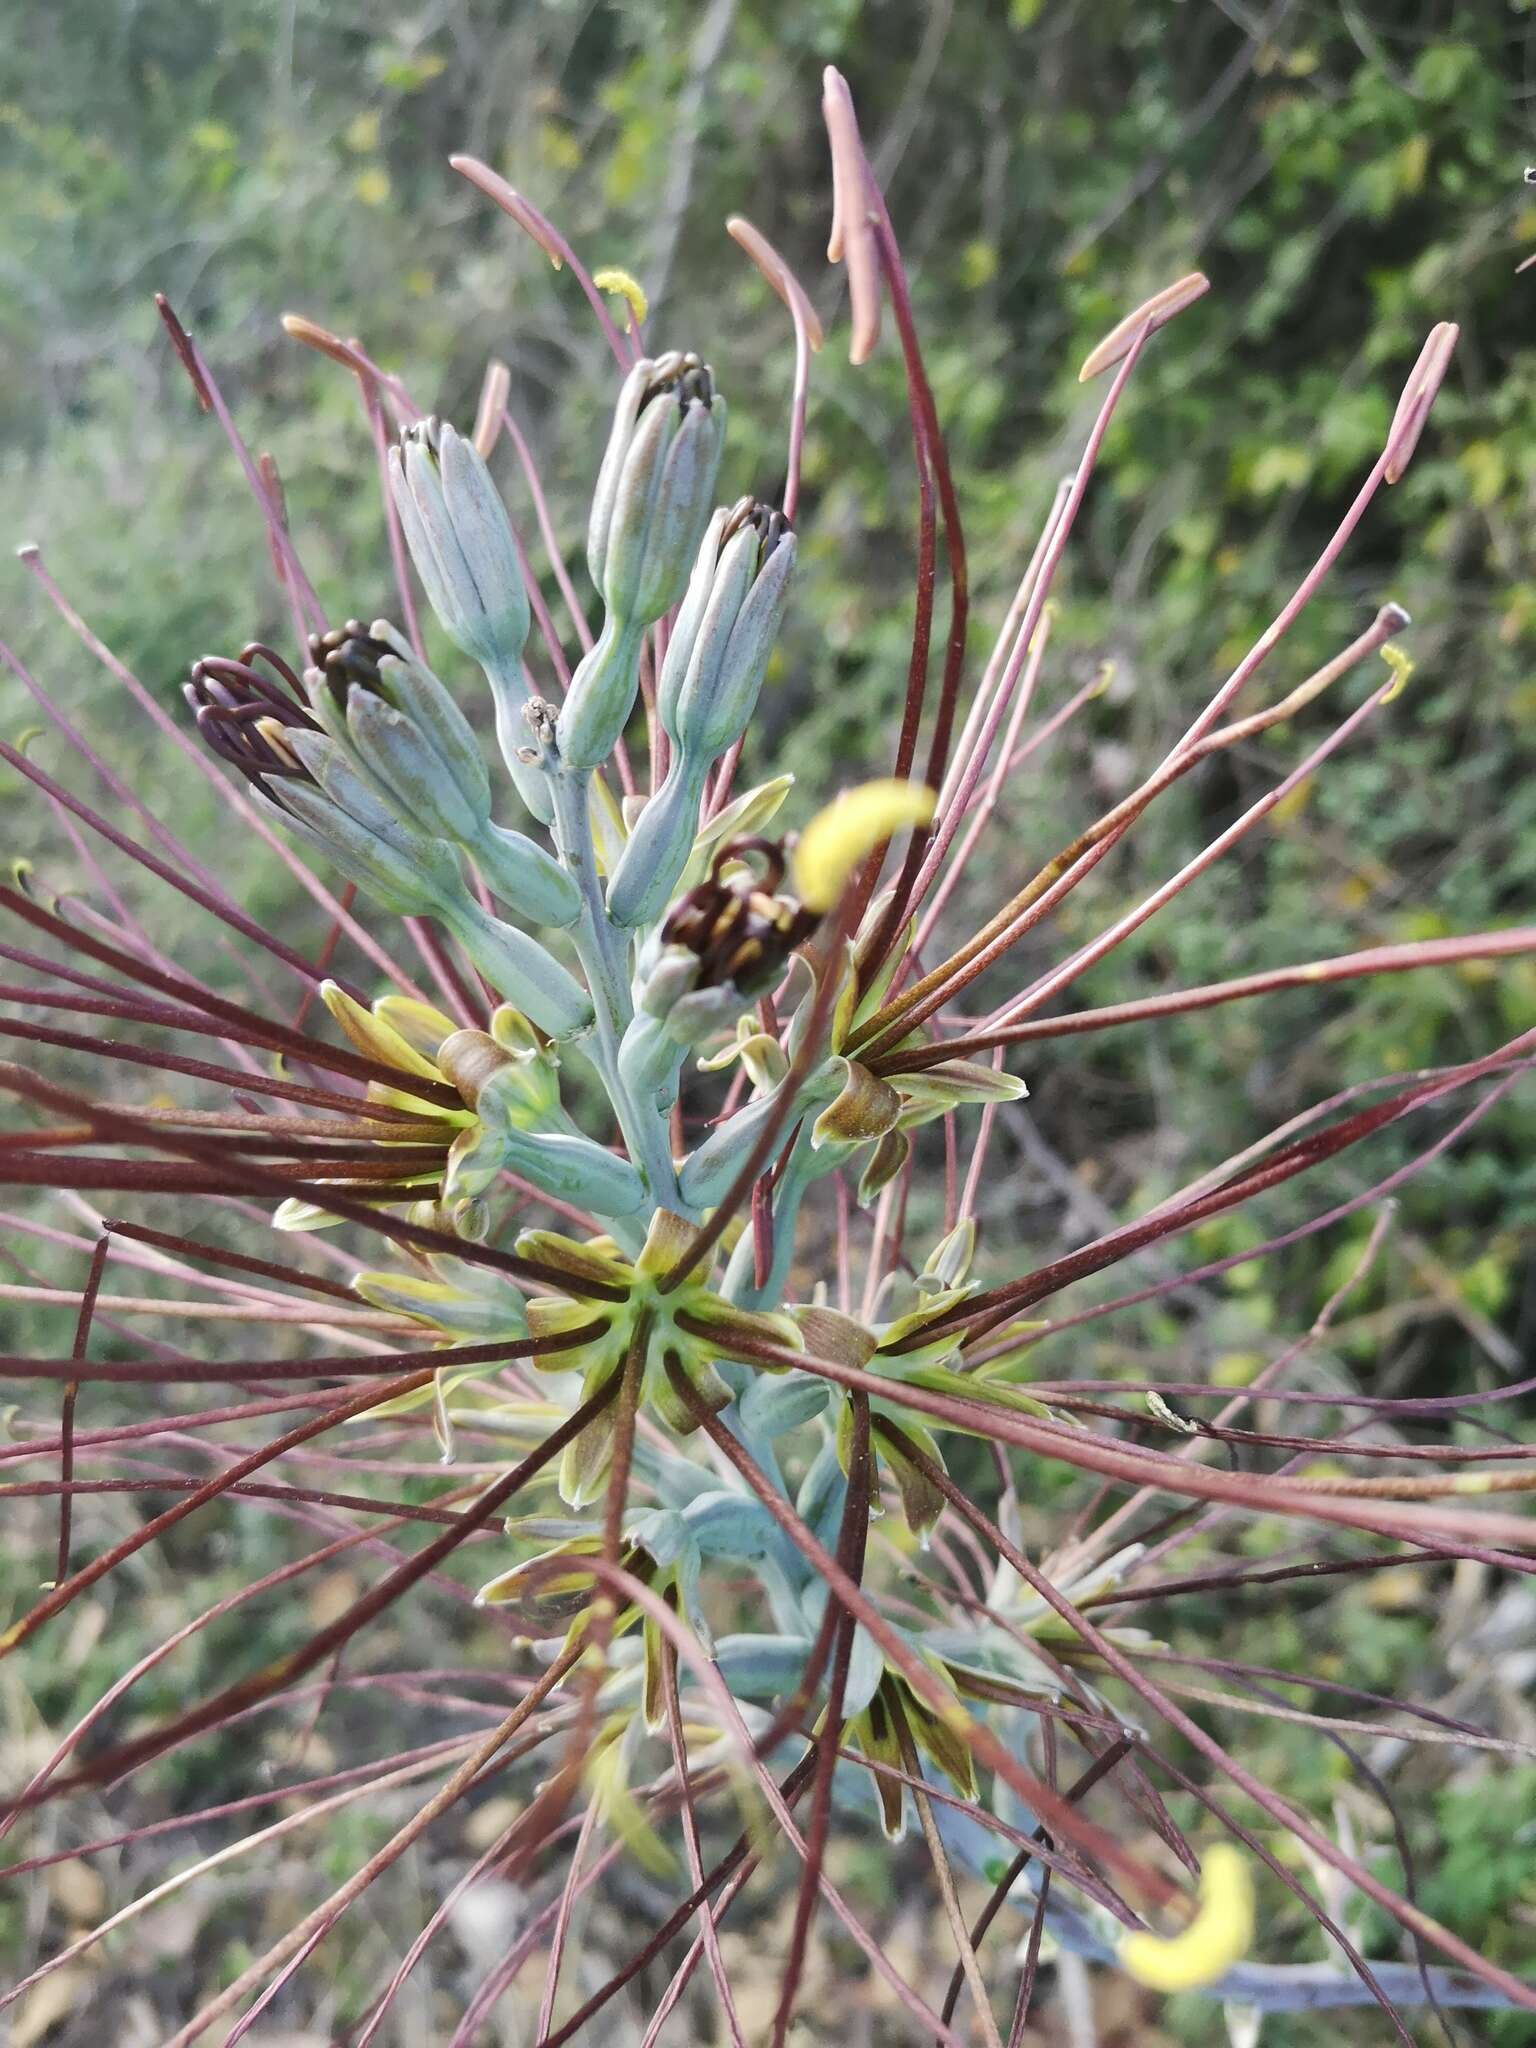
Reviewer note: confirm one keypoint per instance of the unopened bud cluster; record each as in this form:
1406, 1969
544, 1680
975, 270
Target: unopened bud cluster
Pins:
631, 938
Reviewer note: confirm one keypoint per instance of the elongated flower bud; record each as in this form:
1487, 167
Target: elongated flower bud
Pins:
713, 1165
648, 515
309, 783
385, 665
408, 871
402, 726
650, 1058
658, 397
520, 969
461, 542
402, 868
565, 1165
388, 878
393, 715
715, 664
658, 846
716, 659
526, 878
602, 695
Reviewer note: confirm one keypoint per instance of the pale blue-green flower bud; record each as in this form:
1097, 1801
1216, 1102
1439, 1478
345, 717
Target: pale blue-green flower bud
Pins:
726, 626
658, 395
693, 1018
527, 878
715, 664
411, 687
355, 668
568, 1166
307, 782
520, 969
662, 506
650, 1060
717, 693
648, 515
714, 1164
602, 694
403, 868
394, 716
390, 881
408, 768
413, 874
657, 849
564, 1165
461, 542
330, 767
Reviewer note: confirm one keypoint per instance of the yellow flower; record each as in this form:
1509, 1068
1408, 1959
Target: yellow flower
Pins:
623, 286
851, 826
1219, 1935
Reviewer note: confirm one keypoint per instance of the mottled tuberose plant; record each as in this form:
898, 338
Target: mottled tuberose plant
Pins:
673, 1152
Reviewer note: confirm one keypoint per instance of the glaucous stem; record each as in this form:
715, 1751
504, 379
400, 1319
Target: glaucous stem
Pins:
601, 949
510, 695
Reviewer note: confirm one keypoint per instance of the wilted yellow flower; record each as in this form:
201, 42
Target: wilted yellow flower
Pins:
852, 825
1219, 1935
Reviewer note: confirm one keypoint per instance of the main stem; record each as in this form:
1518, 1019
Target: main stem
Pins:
600, 947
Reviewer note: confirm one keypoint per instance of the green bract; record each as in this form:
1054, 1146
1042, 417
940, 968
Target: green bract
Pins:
649, 1332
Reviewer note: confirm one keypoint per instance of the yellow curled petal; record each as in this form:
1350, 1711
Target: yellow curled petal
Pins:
1220, 1934
625, 287
373, 1036
1401, 665
852, 825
